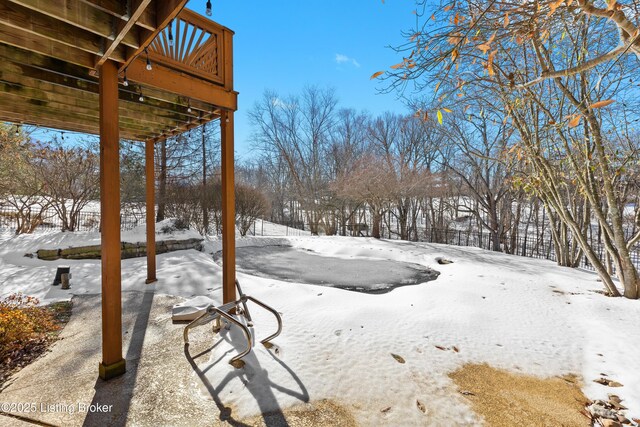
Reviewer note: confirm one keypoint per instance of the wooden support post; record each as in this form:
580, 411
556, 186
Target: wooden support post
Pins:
151, 210
112, 364
228, 209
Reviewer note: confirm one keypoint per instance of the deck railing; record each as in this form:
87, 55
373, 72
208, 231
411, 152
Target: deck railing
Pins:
196, 46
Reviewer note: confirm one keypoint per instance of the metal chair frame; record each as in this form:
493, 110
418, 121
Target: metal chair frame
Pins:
223, 312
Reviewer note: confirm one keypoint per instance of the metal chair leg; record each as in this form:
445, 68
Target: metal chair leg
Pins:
217, 326
244, 304
247, 335
275, 313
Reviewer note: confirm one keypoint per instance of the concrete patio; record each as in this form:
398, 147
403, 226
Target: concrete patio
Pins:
164, 384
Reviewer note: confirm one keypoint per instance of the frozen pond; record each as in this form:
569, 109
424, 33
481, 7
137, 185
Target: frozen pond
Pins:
357, 274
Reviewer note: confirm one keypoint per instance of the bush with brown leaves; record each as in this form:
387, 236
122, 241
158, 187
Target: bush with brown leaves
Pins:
24, 325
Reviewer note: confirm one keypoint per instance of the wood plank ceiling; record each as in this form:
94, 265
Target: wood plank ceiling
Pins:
50, 51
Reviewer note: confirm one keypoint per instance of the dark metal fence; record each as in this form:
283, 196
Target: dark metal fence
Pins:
528, 245
49, 219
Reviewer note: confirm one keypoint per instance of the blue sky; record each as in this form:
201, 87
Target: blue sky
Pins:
285, 45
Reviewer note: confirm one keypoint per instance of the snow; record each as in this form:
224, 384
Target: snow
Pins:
191, 309
266, 228
520, 314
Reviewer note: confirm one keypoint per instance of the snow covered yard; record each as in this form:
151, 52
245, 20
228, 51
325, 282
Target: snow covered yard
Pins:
379, 355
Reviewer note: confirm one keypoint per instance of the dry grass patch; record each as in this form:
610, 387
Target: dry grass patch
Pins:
509, 399
320, 413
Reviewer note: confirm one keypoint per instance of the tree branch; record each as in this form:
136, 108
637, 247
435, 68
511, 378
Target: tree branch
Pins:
629, 40
617, 16
585, 66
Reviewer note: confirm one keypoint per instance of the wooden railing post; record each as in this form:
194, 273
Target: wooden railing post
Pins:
112, 364
227, 60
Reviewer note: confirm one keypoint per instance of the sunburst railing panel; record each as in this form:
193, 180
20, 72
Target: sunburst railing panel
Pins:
194, 45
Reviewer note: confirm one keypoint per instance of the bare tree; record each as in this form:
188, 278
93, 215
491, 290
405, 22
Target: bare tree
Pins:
348, 144
552, 67
370, 182
476, 143
71, 180
21, 187
298, 130
162, 184
183, 203
132, 187
187, 159
401, 142
250, 205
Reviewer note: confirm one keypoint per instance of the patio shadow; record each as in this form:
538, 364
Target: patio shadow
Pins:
116, 394
259, 385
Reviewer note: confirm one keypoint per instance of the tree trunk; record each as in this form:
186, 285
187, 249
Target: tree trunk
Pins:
162, 185
494, 224
403, 219
376, 219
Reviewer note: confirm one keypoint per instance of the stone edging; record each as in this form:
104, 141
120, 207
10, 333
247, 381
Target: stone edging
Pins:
128, 250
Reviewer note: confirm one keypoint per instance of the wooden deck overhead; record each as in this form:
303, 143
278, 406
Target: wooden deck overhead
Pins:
50, 52
139, 70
